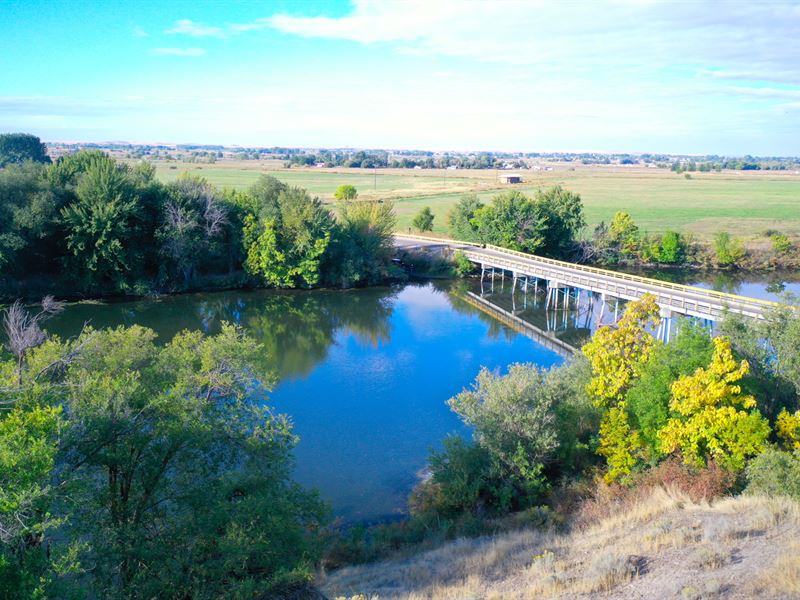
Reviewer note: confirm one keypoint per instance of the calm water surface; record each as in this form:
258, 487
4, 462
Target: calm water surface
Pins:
365, 374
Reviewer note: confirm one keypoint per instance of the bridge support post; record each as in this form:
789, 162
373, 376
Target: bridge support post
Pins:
665, 326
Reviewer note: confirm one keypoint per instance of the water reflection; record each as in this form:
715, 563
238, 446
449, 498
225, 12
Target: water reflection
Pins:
770, 285
296, 329
365, 374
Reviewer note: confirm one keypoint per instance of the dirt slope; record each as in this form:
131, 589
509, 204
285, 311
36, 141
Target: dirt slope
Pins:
664, 547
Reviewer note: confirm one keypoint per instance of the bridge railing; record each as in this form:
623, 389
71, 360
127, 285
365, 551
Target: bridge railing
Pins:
756, 304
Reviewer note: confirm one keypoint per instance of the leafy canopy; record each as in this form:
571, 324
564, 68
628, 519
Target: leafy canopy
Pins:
715, 419
423, 220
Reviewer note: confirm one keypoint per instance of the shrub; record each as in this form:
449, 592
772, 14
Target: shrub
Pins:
608, 570
781, 243
462, 265
672, 248
514, 420
728, 250
423, 219
706, 483
774, 473
463, 478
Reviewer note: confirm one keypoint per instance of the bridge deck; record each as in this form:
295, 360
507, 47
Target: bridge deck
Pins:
681, 299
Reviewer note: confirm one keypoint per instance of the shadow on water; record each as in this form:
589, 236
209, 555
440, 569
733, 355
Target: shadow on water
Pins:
365, 374
296, 328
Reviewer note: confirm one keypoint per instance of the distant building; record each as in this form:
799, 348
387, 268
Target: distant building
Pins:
510, 178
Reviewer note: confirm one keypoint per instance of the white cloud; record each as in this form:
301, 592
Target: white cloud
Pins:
751, 37
178, 51
139, 32
189, 27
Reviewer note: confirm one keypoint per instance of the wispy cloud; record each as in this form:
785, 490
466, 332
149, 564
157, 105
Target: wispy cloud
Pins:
744, 38
139, 32
178, 51
189, 27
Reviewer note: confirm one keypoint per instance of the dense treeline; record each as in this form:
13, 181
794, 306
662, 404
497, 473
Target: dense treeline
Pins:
551, 223
88, 225
379, 159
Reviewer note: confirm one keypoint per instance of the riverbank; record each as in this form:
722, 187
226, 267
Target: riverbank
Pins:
663, 546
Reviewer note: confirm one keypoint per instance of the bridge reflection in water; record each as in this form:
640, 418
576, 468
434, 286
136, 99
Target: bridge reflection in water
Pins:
571, 285
561, 320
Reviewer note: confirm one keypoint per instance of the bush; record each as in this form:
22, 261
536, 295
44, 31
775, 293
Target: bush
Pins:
728, 250
774, 473
672, 248
462, 265
514, 420
781, 243
699, 484
423, 219
464, 479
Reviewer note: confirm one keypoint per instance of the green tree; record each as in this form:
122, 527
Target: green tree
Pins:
28, 448
715, 420
460, 219
21, 147
99, 225
648, 397
287, 249
728, 250
29, 214
563, 213
769, 346
513, 221
423, 219
362, 245
174, 474
345, 192
263, 196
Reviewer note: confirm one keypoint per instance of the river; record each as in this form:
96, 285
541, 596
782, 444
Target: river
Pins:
365, 374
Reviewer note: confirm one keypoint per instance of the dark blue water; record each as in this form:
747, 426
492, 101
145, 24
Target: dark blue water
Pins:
364, 374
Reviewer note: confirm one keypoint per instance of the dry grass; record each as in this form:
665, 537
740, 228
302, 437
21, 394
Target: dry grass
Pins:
665, 546
783, 578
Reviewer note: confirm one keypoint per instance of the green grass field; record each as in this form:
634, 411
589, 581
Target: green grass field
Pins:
744, 203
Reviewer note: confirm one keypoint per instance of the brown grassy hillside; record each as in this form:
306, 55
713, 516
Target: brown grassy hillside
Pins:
663, 547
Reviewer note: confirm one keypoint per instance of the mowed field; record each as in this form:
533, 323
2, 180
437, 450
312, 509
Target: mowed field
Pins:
745, 203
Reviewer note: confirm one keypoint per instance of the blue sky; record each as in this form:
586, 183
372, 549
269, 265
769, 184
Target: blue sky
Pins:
624, 75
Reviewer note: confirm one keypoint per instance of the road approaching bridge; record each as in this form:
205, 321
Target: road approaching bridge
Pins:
562, 279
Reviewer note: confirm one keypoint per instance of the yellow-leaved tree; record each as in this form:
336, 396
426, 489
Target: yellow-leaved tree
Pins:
716, 420
617, 355
787, 426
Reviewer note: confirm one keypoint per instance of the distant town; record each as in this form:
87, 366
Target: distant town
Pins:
422, 159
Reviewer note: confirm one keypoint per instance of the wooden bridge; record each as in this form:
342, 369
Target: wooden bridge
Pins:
562, 280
